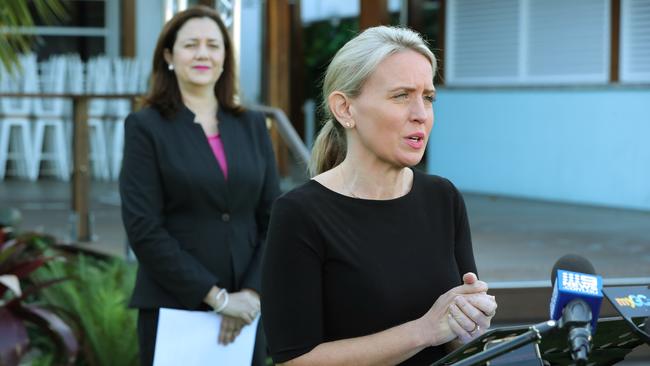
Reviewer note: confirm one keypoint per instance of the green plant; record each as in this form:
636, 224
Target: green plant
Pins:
322, 39
14, 14
19, 258
96, 298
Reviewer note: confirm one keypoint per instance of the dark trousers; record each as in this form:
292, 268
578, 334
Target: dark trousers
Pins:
148, 326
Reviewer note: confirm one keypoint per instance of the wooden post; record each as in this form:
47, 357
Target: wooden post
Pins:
278, 48
373, 13
128, 28
423, 22
297, 74
81, 171
209, 3
615, 33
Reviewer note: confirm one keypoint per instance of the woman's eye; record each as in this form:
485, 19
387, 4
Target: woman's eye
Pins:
401, 96
430, 98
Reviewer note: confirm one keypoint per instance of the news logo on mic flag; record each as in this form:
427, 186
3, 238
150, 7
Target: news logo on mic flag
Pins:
574, 285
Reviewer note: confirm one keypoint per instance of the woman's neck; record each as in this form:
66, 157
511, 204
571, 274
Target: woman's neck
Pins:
199, 100
374, 181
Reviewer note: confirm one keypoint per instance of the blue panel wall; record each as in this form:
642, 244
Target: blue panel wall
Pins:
587, 146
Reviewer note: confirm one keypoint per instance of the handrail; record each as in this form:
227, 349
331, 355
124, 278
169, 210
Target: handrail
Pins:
286, 130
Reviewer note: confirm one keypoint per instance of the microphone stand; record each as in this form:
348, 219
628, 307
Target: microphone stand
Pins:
534, 334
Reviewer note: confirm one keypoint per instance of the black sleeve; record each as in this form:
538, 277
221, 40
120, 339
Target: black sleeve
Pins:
292, 283
270, 191
463, 238
141, 190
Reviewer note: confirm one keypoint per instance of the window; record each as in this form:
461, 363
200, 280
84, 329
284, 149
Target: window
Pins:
527, 42
91, 29
635, 41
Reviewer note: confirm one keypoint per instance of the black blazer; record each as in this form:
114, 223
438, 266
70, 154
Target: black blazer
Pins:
189, 227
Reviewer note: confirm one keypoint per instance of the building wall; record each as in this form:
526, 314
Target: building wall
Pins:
250, 59
588, 146
148, 22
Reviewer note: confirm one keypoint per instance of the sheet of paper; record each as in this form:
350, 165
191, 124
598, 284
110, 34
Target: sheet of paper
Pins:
189, 338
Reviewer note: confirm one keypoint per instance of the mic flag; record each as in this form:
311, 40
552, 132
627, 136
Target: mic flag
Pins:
574, 285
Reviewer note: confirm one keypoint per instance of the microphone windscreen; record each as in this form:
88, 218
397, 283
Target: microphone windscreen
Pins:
572, 263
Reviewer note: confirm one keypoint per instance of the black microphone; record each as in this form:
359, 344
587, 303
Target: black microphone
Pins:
577, 295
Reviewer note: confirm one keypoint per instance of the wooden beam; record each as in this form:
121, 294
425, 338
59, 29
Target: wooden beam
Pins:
297, 74
615, 34
278, 65
127, 31
209, 3
440, 43
81, 170
373, 13
434, 31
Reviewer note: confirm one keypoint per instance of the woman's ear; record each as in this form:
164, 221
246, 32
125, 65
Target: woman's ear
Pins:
167, 54
340, 107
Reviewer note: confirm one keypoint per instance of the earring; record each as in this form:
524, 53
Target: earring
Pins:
348, 124
170, 67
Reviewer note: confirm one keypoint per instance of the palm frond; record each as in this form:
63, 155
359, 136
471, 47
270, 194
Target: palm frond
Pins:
16, 14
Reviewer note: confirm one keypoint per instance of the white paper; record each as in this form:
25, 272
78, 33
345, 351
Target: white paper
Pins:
190, 338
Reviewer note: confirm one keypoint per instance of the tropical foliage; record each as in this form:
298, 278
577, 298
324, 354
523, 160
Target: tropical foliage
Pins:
95, 297
63, 305
19, 13
19, 258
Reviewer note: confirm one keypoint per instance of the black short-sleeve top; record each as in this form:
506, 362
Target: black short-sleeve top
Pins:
338, 267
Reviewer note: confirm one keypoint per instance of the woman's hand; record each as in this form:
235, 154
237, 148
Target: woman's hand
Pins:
230, 329
435, 324
471, 314
244, 305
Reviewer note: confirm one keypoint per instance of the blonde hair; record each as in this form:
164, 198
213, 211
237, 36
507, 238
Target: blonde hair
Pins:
350, 68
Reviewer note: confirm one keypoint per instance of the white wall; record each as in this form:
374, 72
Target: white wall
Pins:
149, 20
250, 62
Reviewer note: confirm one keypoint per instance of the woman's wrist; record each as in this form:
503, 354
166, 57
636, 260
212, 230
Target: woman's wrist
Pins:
210, 297
221, 300
423, 332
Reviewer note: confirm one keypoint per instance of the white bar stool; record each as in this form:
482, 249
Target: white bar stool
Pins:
98, 82
50, 145
15, 129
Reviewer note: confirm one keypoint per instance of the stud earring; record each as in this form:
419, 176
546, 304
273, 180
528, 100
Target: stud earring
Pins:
170, 67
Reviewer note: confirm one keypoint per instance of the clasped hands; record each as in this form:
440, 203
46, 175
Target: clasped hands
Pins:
242, 308
462, 313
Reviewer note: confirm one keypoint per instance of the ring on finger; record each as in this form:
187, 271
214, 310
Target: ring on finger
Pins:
476, 329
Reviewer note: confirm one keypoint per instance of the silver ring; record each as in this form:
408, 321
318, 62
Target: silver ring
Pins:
475, 330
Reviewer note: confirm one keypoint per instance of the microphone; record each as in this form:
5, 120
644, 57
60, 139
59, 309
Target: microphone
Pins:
576, 300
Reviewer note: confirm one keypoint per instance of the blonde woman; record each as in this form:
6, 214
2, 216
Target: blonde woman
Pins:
371, 262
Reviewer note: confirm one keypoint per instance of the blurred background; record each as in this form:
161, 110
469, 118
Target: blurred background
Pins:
542, 117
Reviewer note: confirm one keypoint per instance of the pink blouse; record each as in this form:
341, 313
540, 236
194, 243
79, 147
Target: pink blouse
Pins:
219, 153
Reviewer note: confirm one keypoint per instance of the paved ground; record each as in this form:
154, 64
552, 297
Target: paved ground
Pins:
514, 239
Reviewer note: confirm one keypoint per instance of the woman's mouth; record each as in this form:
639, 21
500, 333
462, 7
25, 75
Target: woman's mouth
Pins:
415, 140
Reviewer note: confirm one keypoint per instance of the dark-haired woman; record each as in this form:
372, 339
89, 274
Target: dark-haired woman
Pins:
197, 183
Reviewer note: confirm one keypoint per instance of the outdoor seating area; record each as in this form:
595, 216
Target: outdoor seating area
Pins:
36, 133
